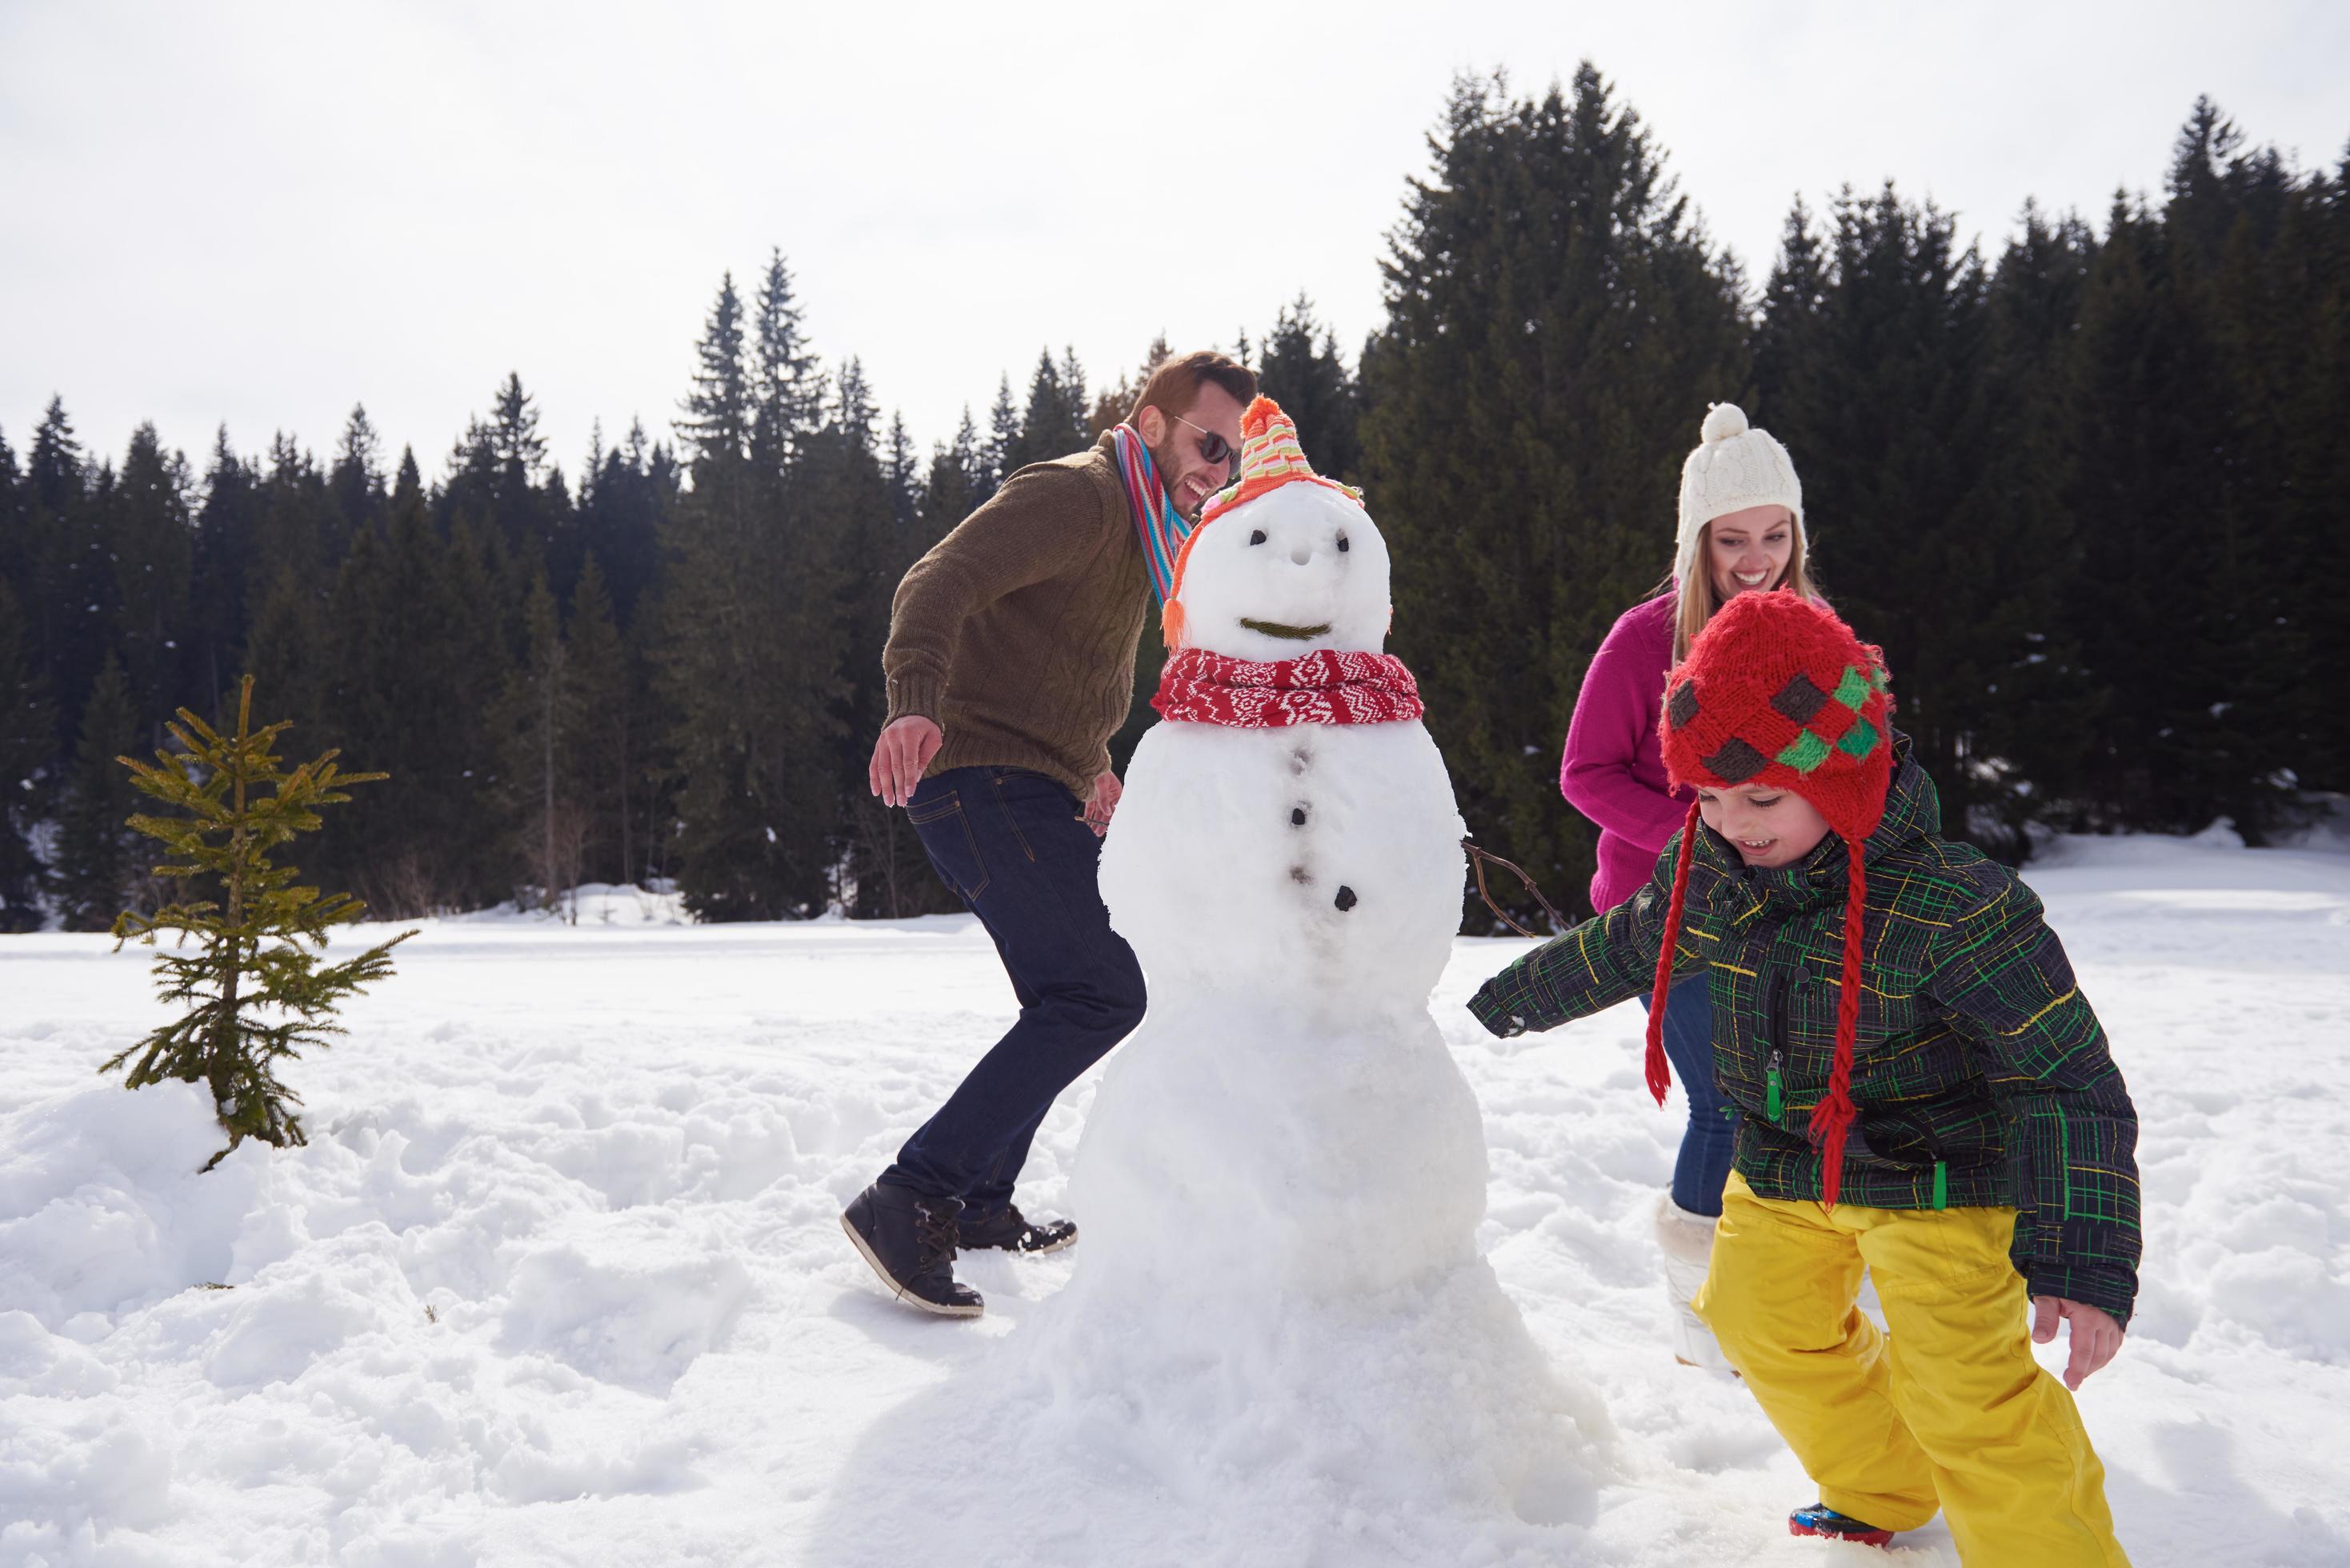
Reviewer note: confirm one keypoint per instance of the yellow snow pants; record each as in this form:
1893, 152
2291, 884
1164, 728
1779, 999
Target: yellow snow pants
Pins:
1948, 1410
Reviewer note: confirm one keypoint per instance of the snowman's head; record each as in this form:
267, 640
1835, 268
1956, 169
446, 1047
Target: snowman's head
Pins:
1283, 563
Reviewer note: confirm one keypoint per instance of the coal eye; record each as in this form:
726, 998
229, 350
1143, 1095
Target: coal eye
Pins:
1257, 537
1342, 544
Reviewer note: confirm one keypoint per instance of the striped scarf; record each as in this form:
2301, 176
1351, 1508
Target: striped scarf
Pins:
1157, 524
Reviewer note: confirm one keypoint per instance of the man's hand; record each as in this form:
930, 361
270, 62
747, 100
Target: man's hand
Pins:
2095, 1335
1106, 790
904, 749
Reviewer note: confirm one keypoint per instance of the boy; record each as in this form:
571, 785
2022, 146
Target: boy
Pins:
1920, 1089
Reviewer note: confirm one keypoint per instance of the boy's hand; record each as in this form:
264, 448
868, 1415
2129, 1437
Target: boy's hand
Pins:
1486, 1007
2095, 1335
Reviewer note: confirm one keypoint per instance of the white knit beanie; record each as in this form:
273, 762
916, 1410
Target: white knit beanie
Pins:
1733, 467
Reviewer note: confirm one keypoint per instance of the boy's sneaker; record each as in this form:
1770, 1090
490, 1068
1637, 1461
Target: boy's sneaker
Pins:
1820, 1520
910, 1240
1010, 1231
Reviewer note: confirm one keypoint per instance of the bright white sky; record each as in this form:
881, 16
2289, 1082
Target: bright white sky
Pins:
264, 214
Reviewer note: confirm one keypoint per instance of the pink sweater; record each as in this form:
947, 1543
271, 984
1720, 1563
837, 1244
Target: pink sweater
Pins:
1614, 769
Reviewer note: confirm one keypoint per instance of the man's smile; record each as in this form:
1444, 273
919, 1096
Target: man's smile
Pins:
1294, 633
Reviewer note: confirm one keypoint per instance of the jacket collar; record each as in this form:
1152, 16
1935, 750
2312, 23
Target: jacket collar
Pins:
1912, 810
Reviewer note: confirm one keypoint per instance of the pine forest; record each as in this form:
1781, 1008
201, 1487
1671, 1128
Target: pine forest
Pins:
2080, 490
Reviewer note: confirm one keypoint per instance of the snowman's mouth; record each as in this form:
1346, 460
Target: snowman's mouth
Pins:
1292, 633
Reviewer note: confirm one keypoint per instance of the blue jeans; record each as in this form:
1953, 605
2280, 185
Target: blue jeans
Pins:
1014, 845
1703, 1164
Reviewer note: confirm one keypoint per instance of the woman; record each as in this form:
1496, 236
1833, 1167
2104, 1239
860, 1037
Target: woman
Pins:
1740, 531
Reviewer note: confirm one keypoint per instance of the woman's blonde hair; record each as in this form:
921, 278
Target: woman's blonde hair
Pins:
1695, 599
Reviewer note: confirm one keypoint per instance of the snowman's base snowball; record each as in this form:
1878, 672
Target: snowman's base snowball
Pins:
1279, 1285
1429, 1397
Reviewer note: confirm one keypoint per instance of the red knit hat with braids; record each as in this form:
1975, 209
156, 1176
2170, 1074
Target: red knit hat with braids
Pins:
1777, 691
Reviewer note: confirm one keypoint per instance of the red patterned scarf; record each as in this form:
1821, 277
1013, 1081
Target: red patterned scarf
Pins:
1323, 687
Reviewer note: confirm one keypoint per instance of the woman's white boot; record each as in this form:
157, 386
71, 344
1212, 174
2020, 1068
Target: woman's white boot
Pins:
1687, 1241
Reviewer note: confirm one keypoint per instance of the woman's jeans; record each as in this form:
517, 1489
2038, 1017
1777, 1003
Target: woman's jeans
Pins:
1703, 1164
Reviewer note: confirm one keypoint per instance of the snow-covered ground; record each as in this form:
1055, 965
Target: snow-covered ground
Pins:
558, 1278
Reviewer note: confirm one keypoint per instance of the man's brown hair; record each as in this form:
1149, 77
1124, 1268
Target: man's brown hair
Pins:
1175, 382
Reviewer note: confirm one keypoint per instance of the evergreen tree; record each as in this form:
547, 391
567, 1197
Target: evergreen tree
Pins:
1002, 438
956, 484
96, 867
1301, 371
1055, 424
16, 502
1557, 325
28, 737
514, 443
900, 473
883, 870
2327, 258
151, 543
540, 725
258, 943
15, 557
67, 592
717, 426
2276, 283
474, 659
357, 478
1076, 401
225, 525
415, 643
786, 379
2038, 707
606, 761
297, 528
286, 644
2184, 613
501, 487
52, 472
1876, 372
621, 519
749, 707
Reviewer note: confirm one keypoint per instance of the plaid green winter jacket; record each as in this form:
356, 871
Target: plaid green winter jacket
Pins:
1980, 1072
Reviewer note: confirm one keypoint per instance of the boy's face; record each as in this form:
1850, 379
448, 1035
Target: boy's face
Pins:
1766, 825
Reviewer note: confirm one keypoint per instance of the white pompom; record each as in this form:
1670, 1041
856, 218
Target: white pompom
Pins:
1722, 421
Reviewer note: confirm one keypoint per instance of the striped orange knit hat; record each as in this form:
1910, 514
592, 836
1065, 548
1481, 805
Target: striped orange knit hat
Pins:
1776, 690
1270, 458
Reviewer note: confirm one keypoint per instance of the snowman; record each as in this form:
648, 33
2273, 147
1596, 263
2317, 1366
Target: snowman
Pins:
1283, 1171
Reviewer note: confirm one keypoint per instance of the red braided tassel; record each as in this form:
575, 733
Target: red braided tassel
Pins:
1833, 1117
1661, 1071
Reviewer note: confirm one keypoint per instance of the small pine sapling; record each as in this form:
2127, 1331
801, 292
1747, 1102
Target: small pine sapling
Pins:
259, 994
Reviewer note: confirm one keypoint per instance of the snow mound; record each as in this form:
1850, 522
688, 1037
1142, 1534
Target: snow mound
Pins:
101, 1208
592, 903
638, 1321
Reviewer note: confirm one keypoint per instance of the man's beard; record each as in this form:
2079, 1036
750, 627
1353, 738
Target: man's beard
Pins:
1162, 462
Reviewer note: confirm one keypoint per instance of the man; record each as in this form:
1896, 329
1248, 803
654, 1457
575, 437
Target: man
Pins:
1010, 665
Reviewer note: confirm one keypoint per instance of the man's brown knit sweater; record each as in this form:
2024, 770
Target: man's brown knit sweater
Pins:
1016, 634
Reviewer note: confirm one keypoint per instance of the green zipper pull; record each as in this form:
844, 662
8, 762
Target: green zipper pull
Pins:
1941, 1184
1771, 1089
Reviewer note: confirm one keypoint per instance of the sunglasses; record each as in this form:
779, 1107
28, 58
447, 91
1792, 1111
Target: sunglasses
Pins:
1214, 448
